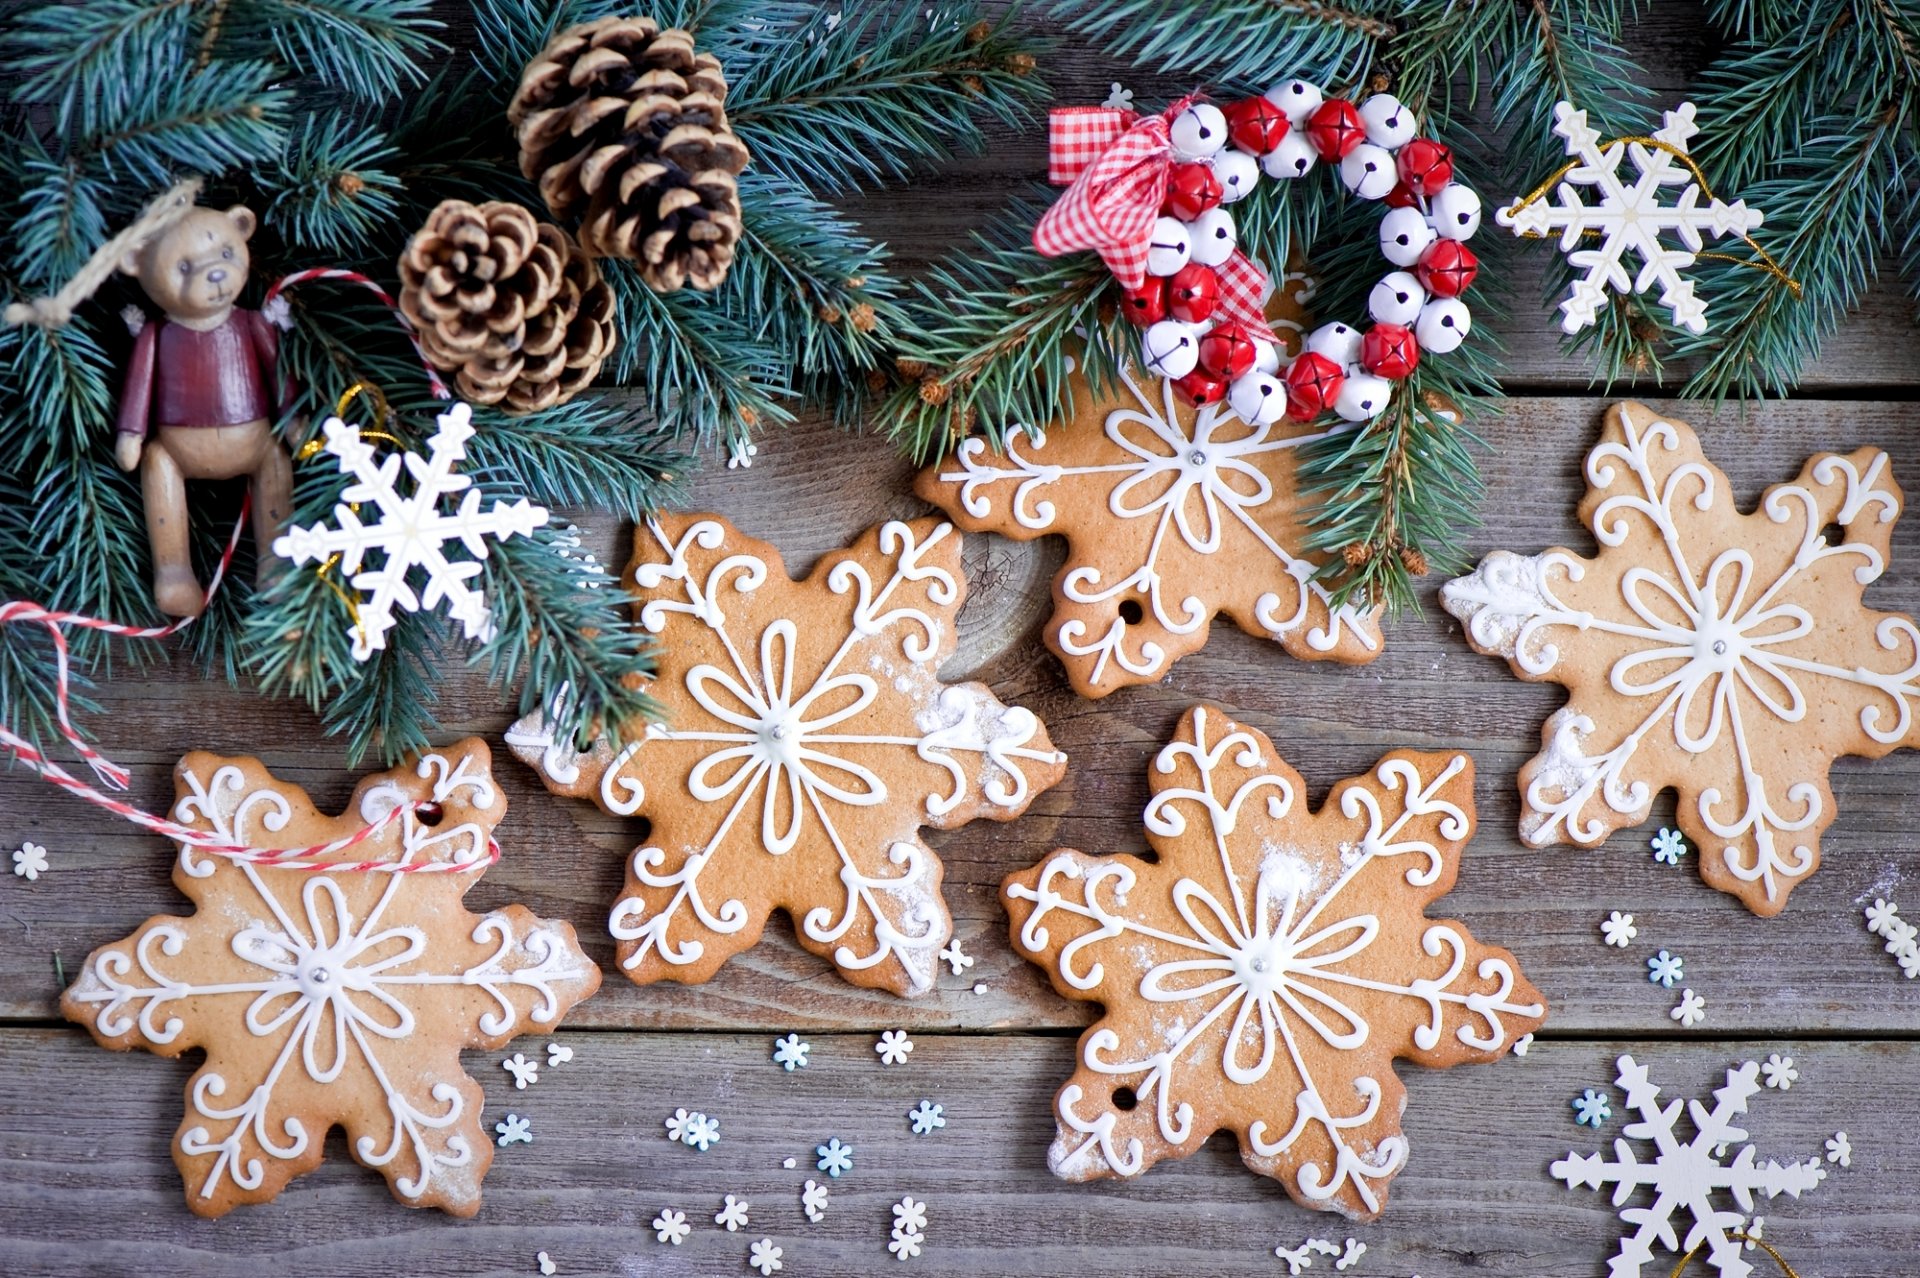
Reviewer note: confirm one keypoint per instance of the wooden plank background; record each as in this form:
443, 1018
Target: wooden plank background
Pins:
87, 1186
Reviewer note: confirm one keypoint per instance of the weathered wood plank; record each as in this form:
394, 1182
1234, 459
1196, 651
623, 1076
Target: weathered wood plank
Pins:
1822, 972
87, 1185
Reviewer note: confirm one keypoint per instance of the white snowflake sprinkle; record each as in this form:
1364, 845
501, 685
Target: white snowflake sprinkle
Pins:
790, 1053
1119, 97
514, 1130
1690, 1010
927, 1117
813, 1200
1351, 1257
1591, 1108
547, 1267
1619, 929
1685, 1174
906, 1246
558, 1053
1880, 915
1665, 969
979, 987
789, 1163
679, 1123
1780, 1072
1668, 846
836, 1160
765, 1257
671, 1226
1323, 1246
732, 1215
1902, 937
412, 532
1297, 1258
740, 454
1627, 219
29, 861
909, 1216
523, 1070
702, 1132
957, 959
1523, 1045
1840, 1150
893, 1047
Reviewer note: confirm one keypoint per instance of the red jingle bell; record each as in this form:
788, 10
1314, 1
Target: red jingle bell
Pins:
1400, 197
1227, 351
1200, 388
1448, 267
1256, 125
1425, 166
1313, 383
1334, 128
1389, 350
1193, 292
1192, 189
1147, 304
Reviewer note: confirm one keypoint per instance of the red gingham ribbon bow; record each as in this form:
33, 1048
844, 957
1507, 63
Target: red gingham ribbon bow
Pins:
1118, 164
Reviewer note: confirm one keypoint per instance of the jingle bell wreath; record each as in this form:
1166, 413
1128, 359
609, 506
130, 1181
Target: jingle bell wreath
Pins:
1150, 195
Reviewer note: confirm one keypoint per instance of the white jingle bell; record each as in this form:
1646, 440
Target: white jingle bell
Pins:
1199, 132
1389, 124
1397, 299
1293, 158
1258, 399
1296, 99
1363, 396
1455, 212
1368, 172
1266, 357
1170, 349
1213, 237
1338, 342
1404, 236
1443, 324
1169, 248
1238, 173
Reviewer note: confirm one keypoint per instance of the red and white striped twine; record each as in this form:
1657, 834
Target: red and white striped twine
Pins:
115, 777
434, 381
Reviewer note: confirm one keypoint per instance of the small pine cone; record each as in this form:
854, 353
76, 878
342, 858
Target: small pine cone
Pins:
1413, 561
911, 369
864, 318
934, 391
633, 681
979, 31
1022, 64
876, 382
626, 125
1358, 554
349, 184
830, 315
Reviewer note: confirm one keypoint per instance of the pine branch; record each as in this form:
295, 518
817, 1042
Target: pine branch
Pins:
1241, 45
386, 709
604, 453
229, 114
370, 48
87, 58
330, 190
842, 105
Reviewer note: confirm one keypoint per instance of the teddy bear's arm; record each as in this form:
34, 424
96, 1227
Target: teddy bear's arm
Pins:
136, 396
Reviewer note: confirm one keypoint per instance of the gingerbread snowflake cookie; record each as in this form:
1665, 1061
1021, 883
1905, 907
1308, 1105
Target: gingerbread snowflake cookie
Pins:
807, 740
1727, 655
1172, 514
334, 997
1262, 975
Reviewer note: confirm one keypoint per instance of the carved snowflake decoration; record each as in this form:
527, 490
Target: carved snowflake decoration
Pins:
1727, 655
325, 998
1172, 515
412, 531
1629, 219
1686, 1175
1264, 973
808, 739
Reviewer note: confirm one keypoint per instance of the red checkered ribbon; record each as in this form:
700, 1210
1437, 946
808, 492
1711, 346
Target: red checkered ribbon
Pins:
115, 777
1116, 165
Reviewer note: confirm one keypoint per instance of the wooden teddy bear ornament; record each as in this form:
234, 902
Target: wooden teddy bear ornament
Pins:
201, 393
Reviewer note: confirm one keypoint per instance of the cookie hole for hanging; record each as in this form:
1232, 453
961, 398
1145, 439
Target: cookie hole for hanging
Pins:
1131, 612
430, 814
1125, 1099
1834, 534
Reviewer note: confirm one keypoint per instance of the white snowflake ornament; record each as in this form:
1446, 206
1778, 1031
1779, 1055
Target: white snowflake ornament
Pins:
411, 532
1686, 1174
1629, 219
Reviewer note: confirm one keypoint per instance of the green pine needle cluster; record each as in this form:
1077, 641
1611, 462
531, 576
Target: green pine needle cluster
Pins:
342, 123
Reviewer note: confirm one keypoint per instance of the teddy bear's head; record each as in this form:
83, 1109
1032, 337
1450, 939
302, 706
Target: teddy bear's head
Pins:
195, 268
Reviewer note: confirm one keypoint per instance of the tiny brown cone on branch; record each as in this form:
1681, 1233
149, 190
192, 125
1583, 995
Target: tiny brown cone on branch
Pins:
512, 307
626, 125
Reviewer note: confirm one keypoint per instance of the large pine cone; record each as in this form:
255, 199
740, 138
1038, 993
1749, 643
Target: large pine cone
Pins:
513, 308
626, 124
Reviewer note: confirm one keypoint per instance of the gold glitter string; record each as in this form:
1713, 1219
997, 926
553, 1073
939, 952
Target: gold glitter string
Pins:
1738, 1236
1766, 262
382, 413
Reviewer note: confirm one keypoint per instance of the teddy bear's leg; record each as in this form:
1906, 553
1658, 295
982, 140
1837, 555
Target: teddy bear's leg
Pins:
272, 503
176, 591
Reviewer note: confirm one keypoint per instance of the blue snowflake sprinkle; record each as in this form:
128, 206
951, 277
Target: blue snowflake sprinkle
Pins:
1664, 969
1668, 846
1591, 1108
836, 1159
790, 1052
927, 1117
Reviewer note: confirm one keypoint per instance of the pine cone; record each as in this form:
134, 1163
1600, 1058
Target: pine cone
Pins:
626, 125
512, 307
